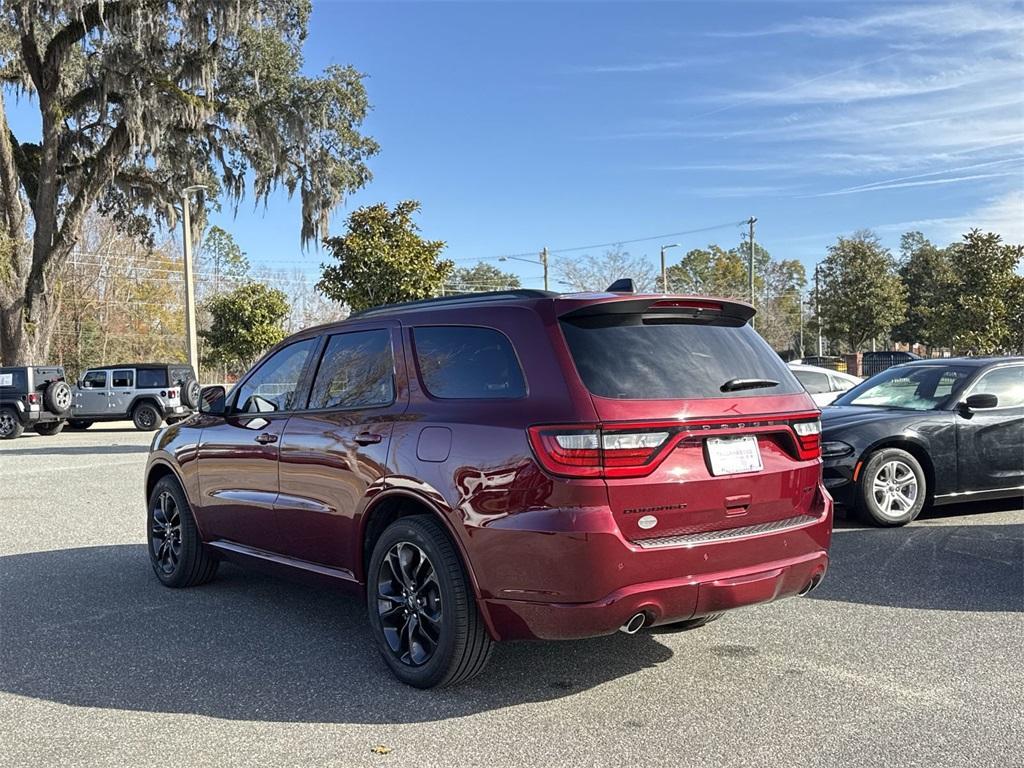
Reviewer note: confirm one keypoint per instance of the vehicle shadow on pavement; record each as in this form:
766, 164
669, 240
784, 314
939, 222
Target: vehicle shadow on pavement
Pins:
51, 449
92, 627
938, 567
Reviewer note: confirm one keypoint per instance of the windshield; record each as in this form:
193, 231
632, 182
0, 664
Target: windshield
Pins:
913, 387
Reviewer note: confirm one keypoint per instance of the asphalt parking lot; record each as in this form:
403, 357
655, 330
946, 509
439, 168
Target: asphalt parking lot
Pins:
910, 654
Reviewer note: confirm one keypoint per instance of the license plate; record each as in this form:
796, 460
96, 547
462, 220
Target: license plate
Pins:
733, 455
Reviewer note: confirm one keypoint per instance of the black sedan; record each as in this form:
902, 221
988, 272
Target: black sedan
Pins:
930, 431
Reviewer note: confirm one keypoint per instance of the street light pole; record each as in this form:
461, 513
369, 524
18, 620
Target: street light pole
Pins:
664, 271
544, 261
192, 342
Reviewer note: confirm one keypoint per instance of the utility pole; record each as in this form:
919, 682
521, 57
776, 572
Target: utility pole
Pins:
664, 271
544, 261
817, 314
801, 325
192, 343
751, 222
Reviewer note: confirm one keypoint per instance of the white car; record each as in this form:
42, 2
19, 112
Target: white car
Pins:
823, 385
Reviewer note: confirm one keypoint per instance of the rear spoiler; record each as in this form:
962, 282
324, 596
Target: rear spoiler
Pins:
669, 307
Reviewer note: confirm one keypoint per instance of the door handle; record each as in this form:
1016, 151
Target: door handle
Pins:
367, 438
266, 437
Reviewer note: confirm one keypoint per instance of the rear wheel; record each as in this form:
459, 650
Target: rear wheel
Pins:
176, 552
892, 488
10, 426
49, 429
421, 607
146, 417
79, 424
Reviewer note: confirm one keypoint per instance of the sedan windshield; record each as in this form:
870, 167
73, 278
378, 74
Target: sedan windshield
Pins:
913, 387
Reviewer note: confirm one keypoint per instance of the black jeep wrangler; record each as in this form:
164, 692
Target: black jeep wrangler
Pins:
33, 396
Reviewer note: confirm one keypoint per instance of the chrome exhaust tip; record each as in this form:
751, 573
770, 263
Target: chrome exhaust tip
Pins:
635, 624
810, 585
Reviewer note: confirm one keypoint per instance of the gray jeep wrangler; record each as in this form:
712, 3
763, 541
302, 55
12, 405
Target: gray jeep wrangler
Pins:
146, 393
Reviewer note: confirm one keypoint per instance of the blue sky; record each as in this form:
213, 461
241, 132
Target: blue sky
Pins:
520, 125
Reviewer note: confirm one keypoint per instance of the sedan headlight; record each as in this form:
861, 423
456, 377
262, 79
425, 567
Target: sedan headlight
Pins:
835, 449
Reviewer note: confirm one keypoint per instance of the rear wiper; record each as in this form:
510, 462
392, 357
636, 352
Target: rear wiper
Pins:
733, 385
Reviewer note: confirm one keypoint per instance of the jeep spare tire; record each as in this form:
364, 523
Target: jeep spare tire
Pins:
57, 397
190, 393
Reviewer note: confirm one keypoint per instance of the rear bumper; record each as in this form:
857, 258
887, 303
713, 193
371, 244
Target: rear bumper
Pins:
662, 602
667, 584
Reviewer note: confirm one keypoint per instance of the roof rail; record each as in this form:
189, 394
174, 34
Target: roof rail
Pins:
462, 298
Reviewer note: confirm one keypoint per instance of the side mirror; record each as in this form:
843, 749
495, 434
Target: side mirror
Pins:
981, 401
213, 400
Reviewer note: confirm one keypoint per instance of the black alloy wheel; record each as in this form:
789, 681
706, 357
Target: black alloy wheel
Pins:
165, 534
422, 610
10, 426
146, 417
409, 604
176, 552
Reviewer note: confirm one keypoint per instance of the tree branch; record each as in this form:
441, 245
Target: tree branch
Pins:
94, 15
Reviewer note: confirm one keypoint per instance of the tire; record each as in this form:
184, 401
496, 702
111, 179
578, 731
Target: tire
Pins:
892, 488
79, 424
49, 429
687, 624
446, 614
190, 393
57, 397
176, 552
146, 417
10, 425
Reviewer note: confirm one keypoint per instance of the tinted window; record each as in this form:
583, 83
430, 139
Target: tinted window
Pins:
1007, 384
813, 382
356, 371
467, 362
152, 378
181, 373
95, 380
622, 356
273, 386
124, 379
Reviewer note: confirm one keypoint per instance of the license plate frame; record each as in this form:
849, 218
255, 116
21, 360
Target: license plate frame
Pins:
733, 455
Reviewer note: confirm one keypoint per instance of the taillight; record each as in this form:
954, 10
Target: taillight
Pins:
172, 393
596, 452
32, 398
808, 438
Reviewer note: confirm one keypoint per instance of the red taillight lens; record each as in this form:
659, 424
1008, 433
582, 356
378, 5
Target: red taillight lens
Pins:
32, 398
808, 438
595, 452
172, 393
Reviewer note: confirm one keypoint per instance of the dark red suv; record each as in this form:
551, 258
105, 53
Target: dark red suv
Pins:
506, 466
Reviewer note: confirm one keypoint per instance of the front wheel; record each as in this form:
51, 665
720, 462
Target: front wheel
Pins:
146, 418
892, 488
176, 552
421, 607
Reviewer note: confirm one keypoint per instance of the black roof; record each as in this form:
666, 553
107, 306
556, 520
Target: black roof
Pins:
458, 300
136, 366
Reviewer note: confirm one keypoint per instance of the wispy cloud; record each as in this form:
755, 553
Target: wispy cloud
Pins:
1003, 215
924, 179
640, 67
948, 21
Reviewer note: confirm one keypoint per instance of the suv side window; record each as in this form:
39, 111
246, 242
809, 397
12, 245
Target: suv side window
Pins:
273, 386
467, 362
152, 378
1007, 384
357, 370
94, 380
124, 379
840, 385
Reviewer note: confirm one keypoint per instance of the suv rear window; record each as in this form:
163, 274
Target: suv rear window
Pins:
466, 362
623, 357
152, 378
